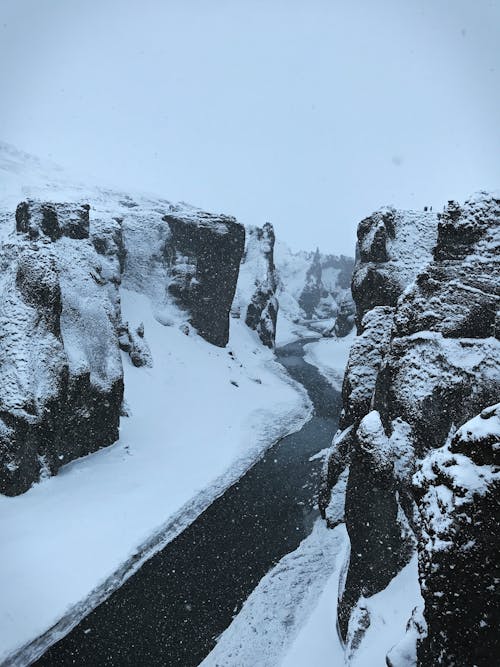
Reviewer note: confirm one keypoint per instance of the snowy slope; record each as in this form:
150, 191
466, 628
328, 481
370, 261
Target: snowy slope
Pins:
197, 418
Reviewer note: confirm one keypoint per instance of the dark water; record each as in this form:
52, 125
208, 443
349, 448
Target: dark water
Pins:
171, 611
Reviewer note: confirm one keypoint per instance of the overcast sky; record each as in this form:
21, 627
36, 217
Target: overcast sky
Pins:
309, 114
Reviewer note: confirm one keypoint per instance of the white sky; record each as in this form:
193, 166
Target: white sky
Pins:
308, 113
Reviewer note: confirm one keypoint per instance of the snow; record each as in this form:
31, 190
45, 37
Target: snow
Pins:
389, 611
484, 425
288, 331
277, 614
104, 513
330, 356
408, 250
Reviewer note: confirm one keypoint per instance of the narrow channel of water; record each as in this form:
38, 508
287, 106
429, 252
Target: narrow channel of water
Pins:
172, 610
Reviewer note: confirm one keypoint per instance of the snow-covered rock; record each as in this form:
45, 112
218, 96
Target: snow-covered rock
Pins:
426, 360
203, 255
61, 374
392, 247
256, 302
458, 487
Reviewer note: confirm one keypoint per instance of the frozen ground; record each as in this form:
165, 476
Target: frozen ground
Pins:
197, 420
288, 331
329, 355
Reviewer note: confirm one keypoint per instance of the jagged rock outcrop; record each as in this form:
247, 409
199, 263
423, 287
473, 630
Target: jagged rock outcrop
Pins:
314, 290
204, 253
458, 492
392, 246
255, 299
427, 360
344, 321
134, 343
61, 381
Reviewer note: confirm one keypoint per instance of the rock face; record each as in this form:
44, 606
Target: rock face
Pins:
427, 359
256, 298
61, 383
326, 276
61, 331
204, 253
392, 246
314, 289
458, 489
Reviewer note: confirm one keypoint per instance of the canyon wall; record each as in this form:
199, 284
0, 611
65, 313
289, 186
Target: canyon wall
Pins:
425, 362
256, 300
61, 329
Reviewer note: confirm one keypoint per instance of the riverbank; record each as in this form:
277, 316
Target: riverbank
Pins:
197, 420
172, 609
290, 617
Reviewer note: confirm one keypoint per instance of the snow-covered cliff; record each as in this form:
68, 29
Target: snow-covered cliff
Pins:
425, 362
256, 301
67, 251
97, 293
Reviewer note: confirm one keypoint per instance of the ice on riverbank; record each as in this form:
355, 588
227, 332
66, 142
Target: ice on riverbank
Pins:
275, 612
330, 355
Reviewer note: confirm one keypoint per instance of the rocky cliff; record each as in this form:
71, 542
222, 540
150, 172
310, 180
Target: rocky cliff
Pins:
61, 329
256, 299
457, 488
61, 381
426, 360
204, 253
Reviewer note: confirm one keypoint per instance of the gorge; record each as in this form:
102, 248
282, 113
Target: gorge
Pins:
170, 385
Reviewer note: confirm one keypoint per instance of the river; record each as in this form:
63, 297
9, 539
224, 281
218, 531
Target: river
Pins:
171, 611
